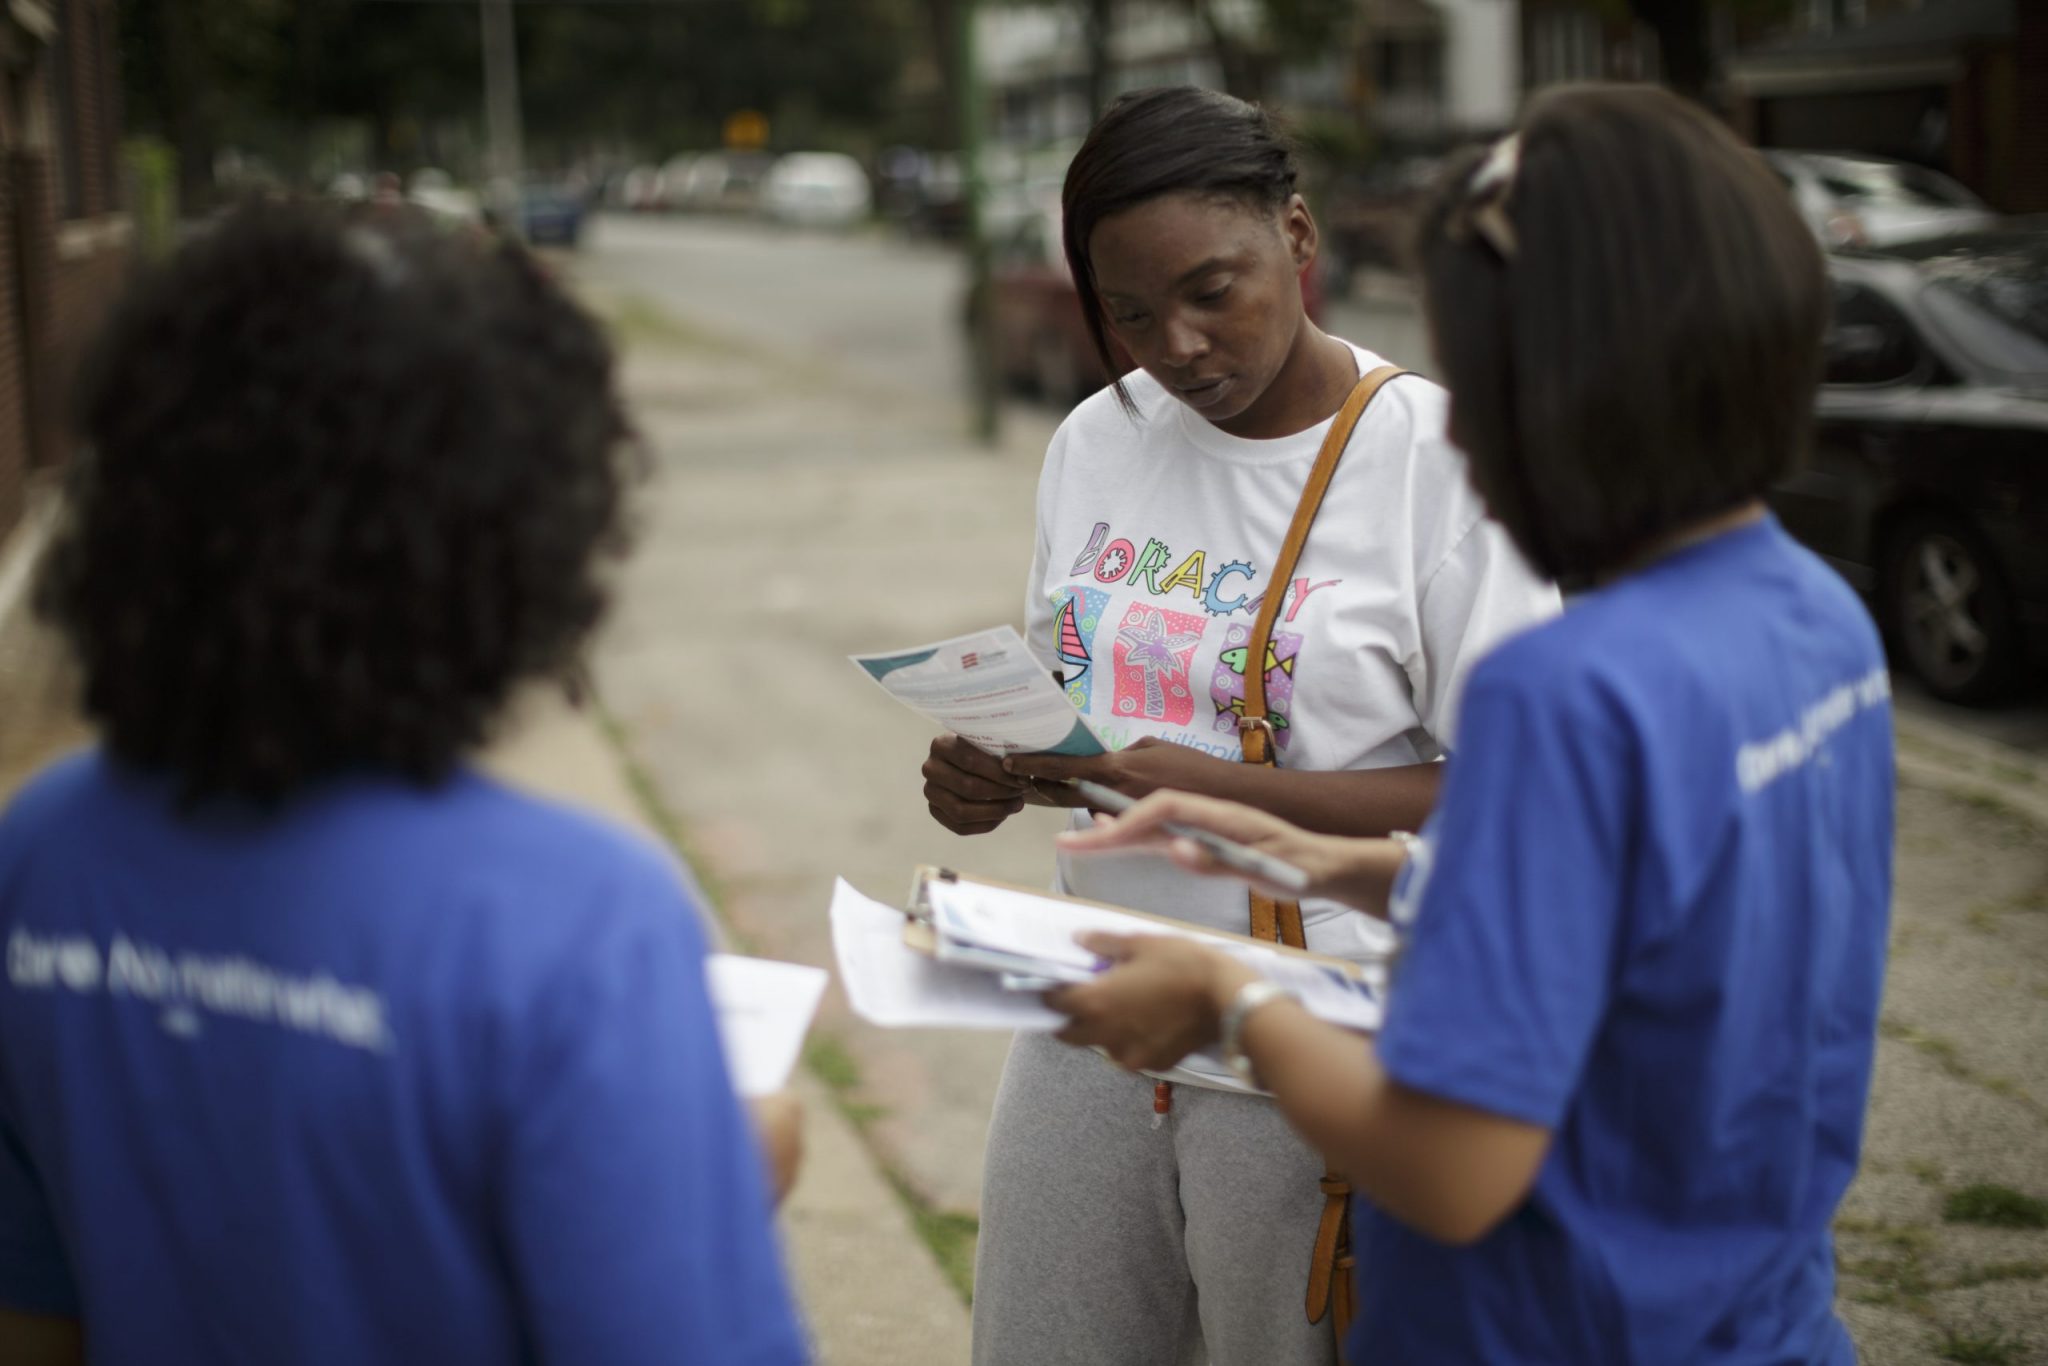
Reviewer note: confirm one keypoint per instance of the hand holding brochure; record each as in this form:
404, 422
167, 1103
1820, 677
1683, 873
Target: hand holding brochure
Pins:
988, 689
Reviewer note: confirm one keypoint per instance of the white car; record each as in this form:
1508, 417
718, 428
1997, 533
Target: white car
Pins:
817, 189
1858, 201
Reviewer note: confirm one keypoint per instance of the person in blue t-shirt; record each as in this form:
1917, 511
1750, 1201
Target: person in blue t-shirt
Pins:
1620, 1083
317, 1046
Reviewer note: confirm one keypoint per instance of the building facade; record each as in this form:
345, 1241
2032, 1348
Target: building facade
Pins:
1956, 85
1417, 71
64, 234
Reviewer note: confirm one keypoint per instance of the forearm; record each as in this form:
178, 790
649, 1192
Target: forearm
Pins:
1446, 1170
1350, 802
1328, 1084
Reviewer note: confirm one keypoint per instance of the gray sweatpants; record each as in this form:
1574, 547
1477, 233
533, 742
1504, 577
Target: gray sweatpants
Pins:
1107, 1242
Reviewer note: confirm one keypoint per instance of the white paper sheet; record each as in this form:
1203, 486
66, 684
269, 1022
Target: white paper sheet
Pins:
891, 984
986, 688
764, 1010
1042, 929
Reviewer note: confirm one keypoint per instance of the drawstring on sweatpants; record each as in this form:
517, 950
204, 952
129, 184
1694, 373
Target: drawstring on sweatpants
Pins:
1162, 1102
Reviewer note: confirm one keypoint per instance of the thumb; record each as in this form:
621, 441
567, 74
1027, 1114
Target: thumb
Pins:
1114, 947
1050, 767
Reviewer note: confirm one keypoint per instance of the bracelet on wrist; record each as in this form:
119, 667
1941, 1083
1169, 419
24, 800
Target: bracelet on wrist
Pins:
1249, 997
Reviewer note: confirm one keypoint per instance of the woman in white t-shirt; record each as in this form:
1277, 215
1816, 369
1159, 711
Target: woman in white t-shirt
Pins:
1125, 1221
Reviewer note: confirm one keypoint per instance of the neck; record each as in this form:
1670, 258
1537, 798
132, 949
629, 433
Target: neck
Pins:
1311, 386
1691, 534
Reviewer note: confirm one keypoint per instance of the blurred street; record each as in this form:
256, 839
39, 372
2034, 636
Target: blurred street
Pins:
814, 494
779, 211
878, 308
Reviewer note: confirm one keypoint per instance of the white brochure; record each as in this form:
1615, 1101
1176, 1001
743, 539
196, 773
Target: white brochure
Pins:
986, 688
891, 984
764, 1010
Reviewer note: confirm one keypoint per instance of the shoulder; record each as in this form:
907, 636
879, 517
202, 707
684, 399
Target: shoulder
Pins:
1408, 405
59, 798
544, 843
1834, 601
1570, 670
1100, 422
542, 898
1404, 433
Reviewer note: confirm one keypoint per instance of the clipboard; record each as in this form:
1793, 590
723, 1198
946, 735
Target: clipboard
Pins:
919, 935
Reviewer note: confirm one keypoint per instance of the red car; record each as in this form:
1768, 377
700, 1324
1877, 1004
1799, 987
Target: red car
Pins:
1042, 341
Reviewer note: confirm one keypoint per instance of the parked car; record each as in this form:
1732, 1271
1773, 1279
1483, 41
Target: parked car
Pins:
923, 192
1042, 341
551, 212
1860, 201
817, 190
435, 191
719, 182
638, 190
1928, 484
671, 182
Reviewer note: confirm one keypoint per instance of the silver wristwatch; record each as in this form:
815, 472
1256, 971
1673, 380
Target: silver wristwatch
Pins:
1249, 998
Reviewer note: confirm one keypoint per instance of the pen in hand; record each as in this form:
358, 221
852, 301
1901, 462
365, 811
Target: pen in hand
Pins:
1239, 858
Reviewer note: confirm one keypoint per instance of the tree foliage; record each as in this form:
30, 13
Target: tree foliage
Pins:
210, 73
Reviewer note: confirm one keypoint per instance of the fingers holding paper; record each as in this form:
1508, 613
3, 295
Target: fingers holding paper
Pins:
966, 788
1144, 766
1161, 1001
779, 1124
1358, 872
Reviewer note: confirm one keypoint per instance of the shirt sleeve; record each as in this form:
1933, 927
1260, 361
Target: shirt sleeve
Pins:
35, 1275
637, 1212
1039, 610
1509, 958
1480, 594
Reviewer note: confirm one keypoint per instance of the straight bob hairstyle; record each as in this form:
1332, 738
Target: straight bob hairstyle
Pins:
1164, 141
1628, 312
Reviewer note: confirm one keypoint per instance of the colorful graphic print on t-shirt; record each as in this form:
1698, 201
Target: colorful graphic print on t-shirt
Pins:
1073, 639
1153, 648
1226, 685
1153, 651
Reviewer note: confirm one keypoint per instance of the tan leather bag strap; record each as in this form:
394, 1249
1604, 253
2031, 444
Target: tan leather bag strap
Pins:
1333, 1266
1270, 919
1332, 1263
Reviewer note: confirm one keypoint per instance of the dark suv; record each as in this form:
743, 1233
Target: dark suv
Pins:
1928, 486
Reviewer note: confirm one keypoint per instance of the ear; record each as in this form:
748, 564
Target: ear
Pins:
1298, 229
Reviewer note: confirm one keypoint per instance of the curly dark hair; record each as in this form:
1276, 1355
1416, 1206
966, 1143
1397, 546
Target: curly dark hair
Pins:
345, 484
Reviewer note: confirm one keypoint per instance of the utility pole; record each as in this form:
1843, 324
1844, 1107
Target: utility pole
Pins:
981, 314
504, 164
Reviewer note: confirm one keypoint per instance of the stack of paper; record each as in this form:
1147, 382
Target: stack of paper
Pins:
988, 950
